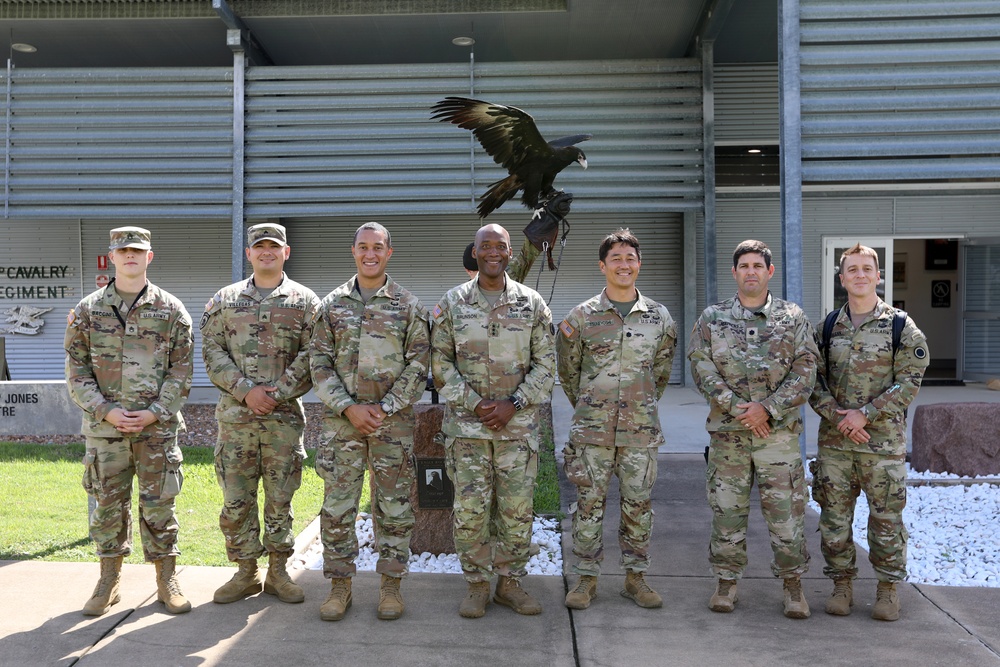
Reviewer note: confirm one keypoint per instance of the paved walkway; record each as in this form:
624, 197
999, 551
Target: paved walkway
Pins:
41, 624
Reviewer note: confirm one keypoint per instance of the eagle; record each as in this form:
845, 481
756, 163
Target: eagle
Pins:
510, 137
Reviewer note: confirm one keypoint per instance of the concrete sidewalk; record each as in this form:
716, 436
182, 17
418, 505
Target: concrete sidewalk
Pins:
41, 623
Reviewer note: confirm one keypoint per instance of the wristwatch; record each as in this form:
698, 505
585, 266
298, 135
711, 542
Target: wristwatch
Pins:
385, 408
518, 403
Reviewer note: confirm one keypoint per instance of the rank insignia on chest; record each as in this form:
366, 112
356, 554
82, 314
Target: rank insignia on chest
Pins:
493, 329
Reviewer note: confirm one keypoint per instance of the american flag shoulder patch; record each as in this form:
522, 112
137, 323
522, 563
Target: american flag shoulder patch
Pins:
437, 311
567, 329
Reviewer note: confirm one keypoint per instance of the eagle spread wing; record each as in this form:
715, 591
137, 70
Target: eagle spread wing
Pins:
510, 137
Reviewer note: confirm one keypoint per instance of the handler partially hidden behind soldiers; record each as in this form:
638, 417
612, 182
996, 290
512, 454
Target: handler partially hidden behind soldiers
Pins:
128, 366
255, 342
754, 358
863, 387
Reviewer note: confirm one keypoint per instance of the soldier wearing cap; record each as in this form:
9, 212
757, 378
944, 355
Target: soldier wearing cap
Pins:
369, 358
255, 339
128, 366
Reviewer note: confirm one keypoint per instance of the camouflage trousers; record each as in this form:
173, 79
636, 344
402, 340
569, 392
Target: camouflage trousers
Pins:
838, 478
341, 463
267, 452
735, 460
485, 472
590, 467
109, 465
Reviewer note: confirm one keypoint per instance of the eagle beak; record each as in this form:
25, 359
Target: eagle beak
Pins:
582, 161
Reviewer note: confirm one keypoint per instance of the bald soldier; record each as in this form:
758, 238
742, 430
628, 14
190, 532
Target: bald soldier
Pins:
493, 361
864, 385
255, 342
128, 366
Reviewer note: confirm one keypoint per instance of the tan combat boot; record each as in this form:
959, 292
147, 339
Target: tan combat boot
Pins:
582, 594
168, 591
795, 600
278, 582
390, 600
106, 592
886, 606
510, 594
474, 604
637, 590
724, 599
842, 599
246, 581
339, 600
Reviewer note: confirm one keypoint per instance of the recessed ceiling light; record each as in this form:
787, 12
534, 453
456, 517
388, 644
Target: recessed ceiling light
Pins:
23, 48
753, 150
463, 41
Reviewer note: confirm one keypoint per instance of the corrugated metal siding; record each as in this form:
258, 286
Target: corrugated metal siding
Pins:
900, 90
39, 243
348, 141
190, 260
741, 219
119, 143
746, 104
427, 257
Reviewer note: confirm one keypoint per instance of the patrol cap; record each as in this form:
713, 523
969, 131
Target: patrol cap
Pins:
130, 237
468, 261
266, 231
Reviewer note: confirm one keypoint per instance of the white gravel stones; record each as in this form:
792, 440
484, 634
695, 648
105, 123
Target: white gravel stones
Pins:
545, 533
953, 532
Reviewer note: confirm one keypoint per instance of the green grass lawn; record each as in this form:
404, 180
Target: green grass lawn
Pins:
45, 506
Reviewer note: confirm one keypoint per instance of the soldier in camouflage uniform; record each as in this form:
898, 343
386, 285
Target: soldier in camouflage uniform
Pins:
754, 358
369, 360
255, 342
128, 366
493, 361
614, 354
862, 398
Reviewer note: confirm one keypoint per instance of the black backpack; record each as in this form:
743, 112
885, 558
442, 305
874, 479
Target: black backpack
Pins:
898, 322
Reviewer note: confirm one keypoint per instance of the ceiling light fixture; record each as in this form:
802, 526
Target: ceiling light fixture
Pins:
463, 41
753, 150
23, 48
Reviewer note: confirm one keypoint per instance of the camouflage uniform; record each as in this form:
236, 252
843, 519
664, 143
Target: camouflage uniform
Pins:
250, 340
738, 356
864, 375
614, 372
480, 353
138, 359
374, 352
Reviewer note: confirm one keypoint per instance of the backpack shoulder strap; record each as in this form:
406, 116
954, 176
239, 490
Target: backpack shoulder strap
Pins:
898, 322
831, 319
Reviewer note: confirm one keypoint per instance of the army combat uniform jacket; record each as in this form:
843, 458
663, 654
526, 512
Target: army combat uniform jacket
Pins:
864, 375
369, 353
740, 356
614, 371
480, 352
250, 340
138, 359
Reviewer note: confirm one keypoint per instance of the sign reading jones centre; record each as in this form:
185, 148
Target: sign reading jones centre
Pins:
38, 408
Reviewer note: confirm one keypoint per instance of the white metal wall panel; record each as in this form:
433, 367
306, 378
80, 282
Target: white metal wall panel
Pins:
118, 143
190, 260
894, 91
746, 104
349, 141
41, 244
427, 257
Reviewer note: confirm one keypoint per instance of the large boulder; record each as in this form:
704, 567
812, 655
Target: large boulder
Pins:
957, 438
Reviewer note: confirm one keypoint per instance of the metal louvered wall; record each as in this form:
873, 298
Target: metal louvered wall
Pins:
359, 140
746, 104
895, 91
118, 143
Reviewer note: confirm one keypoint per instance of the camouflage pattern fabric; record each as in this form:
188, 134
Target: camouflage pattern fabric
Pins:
108, 467
738, 355
342, 462
142, 361
520, 266
268, 451
250, 340
486, 471
480, 352
367, 354
735, 460
863, 375
615, 371
636, 469
838, 477
144, 364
